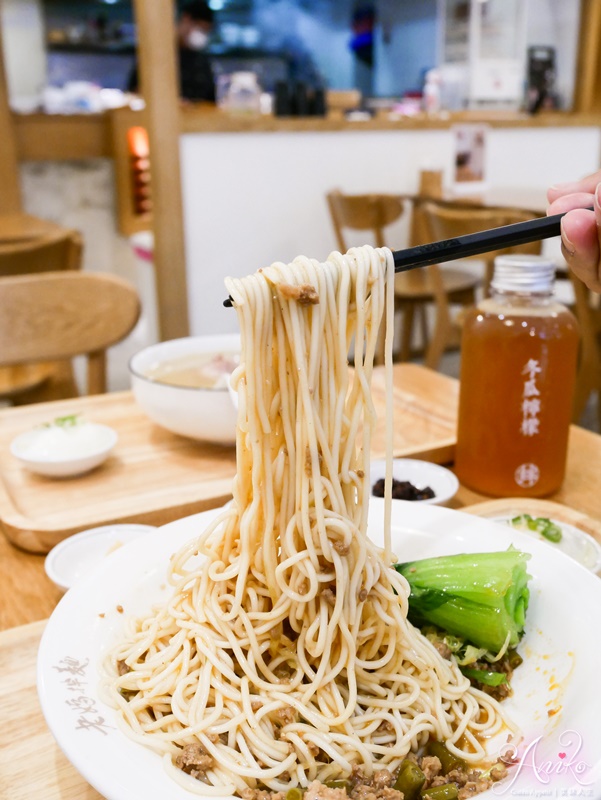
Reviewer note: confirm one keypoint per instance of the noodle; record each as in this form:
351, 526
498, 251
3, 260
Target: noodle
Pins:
286, 654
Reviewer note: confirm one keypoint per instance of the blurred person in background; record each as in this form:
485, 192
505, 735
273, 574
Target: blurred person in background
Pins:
580, 228
193, 30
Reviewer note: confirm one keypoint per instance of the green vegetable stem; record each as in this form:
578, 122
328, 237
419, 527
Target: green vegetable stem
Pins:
549, 530
485, 676
448, 760
409, 780
448, 791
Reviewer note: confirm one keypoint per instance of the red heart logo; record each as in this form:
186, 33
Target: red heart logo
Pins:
561, 755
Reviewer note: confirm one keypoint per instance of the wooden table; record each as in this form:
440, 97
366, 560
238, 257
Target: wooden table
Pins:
524, 198
27, 595
154, 476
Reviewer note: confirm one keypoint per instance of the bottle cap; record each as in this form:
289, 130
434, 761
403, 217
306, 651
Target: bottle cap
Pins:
523, 273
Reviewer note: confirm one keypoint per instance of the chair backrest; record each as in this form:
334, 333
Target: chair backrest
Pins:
57, 251
59, 315
363, 212
434, 220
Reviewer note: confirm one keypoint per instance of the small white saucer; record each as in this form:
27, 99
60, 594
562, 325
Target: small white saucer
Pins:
62, 452
77, 555
575, 543
442, 481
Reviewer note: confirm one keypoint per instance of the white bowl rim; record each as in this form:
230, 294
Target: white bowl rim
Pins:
141, 376
106, 447
436, 469
66, 544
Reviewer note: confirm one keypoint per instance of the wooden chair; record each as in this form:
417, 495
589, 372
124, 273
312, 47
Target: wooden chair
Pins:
447, 219
60, 315
414, 290
60, 249
446, 284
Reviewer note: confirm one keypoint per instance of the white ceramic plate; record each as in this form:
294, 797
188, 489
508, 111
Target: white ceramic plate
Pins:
76, 556
561, 648
575, 543
442, 481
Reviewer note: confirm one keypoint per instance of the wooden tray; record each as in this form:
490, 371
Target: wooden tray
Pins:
155, 477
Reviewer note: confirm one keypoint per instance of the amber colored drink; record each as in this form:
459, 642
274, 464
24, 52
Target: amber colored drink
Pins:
518, 367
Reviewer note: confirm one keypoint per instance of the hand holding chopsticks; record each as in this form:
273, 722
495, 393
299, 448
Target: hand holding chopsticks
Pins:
473, 244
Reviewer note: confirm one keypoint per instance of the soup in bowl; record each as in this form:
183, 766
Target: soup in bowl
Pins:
182, 385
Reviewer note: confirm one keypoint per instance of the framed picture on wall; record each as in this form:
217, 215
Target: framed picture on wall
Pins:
469, 169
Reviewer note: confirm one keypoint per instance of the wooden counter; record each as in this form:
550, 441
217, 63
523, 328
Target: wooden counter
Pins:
58, 137
62, 137
203, 120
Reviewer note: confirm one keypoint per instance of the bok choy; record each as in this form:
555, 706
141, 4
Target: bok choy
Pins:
480, 597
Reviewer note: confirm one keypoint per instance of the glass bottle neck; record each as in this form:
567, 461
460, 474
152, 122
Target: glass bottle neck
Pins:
526, 299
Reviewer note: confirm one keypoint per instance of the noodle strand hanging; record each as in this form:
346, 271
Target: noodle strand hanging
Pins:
285, 654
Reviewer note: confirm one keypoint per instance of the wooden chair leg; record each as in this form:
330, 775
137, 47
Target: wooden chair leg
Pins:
407, 331
424, 327
440, 337
586, 383
97, 373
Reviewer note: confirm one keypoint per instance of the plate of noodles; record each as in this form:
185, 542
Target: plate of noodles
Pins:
553, 704
265, 650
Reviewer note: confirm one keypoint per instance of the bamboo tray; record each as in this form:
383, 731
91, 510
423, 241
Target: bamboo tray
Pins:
155, 477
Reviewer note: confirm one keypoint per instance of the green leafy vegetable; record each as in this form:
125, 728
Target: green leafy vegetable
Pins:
480, 597
68, 421
549, 530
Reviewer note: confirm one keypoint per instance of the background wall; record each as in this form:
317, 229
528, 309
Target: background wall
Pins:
262, 197
24, 48
406, 45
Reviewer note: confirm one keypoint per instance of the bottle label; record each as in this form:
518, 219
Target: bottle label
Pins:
530, 400
527, 475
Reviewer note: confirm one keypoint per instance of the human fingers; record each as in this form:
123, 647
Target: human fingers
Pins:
580, 245
571, 201
587, 185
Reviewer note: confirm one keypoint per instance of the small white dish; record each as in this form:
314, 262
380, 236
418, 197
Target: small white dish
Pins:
76, 556
59, 451
575, 543
442, 481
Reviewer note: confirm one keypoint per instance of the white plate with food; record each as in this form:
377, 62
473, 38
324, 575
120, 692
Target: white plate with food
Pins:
562, 528
554, 702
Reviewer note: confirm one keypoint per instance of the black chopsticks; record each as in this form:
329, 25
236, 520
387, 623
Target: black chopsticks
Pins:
473, 244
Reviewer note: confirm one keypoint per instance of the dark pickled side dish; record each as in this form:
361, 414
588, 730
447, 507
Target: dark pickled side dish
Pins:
403, 490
